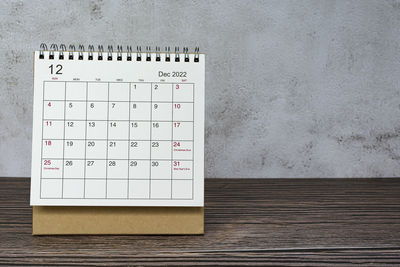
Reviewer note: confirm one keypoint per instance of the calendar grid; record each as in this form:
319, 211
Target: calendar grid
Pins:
129, 134
41, 145
151, 126
84, 173
118, 120
117, 178
117, 101
144, 140
65, 107
108, 115
193, 148
172, 139
72, 103
119, 198
119, 159
117, 82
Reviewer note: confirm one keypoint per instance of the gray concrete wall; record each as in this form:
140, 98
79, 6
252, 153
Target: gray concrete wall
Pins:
293, 88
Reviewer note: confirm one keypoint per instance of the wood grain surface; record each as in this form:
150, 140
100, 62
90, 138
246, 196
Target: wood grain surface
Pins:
280, 222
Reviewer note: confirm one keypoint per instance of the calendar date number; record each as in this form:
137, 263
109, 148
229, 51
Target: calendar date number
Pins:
55, 69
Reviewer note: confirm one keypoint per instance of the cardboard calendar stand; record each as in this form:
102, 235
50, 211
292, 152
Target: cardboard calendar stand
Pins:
56, 220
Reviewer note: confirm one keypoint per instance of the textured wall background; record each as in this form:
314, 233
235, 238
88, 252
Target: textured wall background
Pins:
294, 88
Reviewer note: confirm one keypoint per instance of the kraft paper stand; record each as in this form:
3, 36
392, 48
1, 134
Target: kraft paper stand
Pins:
59, 220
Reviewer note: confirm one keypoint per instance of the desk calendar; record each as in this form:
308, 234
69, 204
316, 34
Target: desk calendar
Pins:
118, 128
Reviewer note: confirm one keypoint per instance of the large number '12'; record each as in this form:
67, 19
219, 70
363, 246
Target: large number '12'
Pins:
57, 69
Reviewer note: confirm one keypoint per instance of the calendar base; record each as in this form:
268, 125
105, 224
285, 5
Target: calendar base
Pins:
59, 220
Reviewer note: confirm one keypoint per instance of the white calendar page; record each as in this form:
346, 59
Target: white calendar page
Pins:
118, 133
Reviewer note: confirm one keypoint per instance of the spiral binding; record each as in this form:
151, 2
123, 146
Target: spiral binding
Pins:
71, 52
121, 53
63, 48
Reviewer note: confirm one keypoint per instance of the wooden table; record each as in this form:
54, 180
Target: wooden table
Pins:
327, 222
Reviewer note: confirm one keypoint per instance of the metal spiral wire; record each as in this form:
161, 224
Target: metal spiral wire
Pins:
100, 51
63, 48
90, 53
71, 52
157, 55
119, 54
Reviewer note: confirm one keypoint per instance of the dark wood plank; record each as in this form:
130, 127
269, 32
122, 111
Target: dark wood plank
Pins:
307, 222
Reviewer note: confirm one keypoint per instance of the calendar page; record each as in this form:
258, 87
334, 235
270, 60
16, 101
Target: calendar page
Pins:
110, 130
